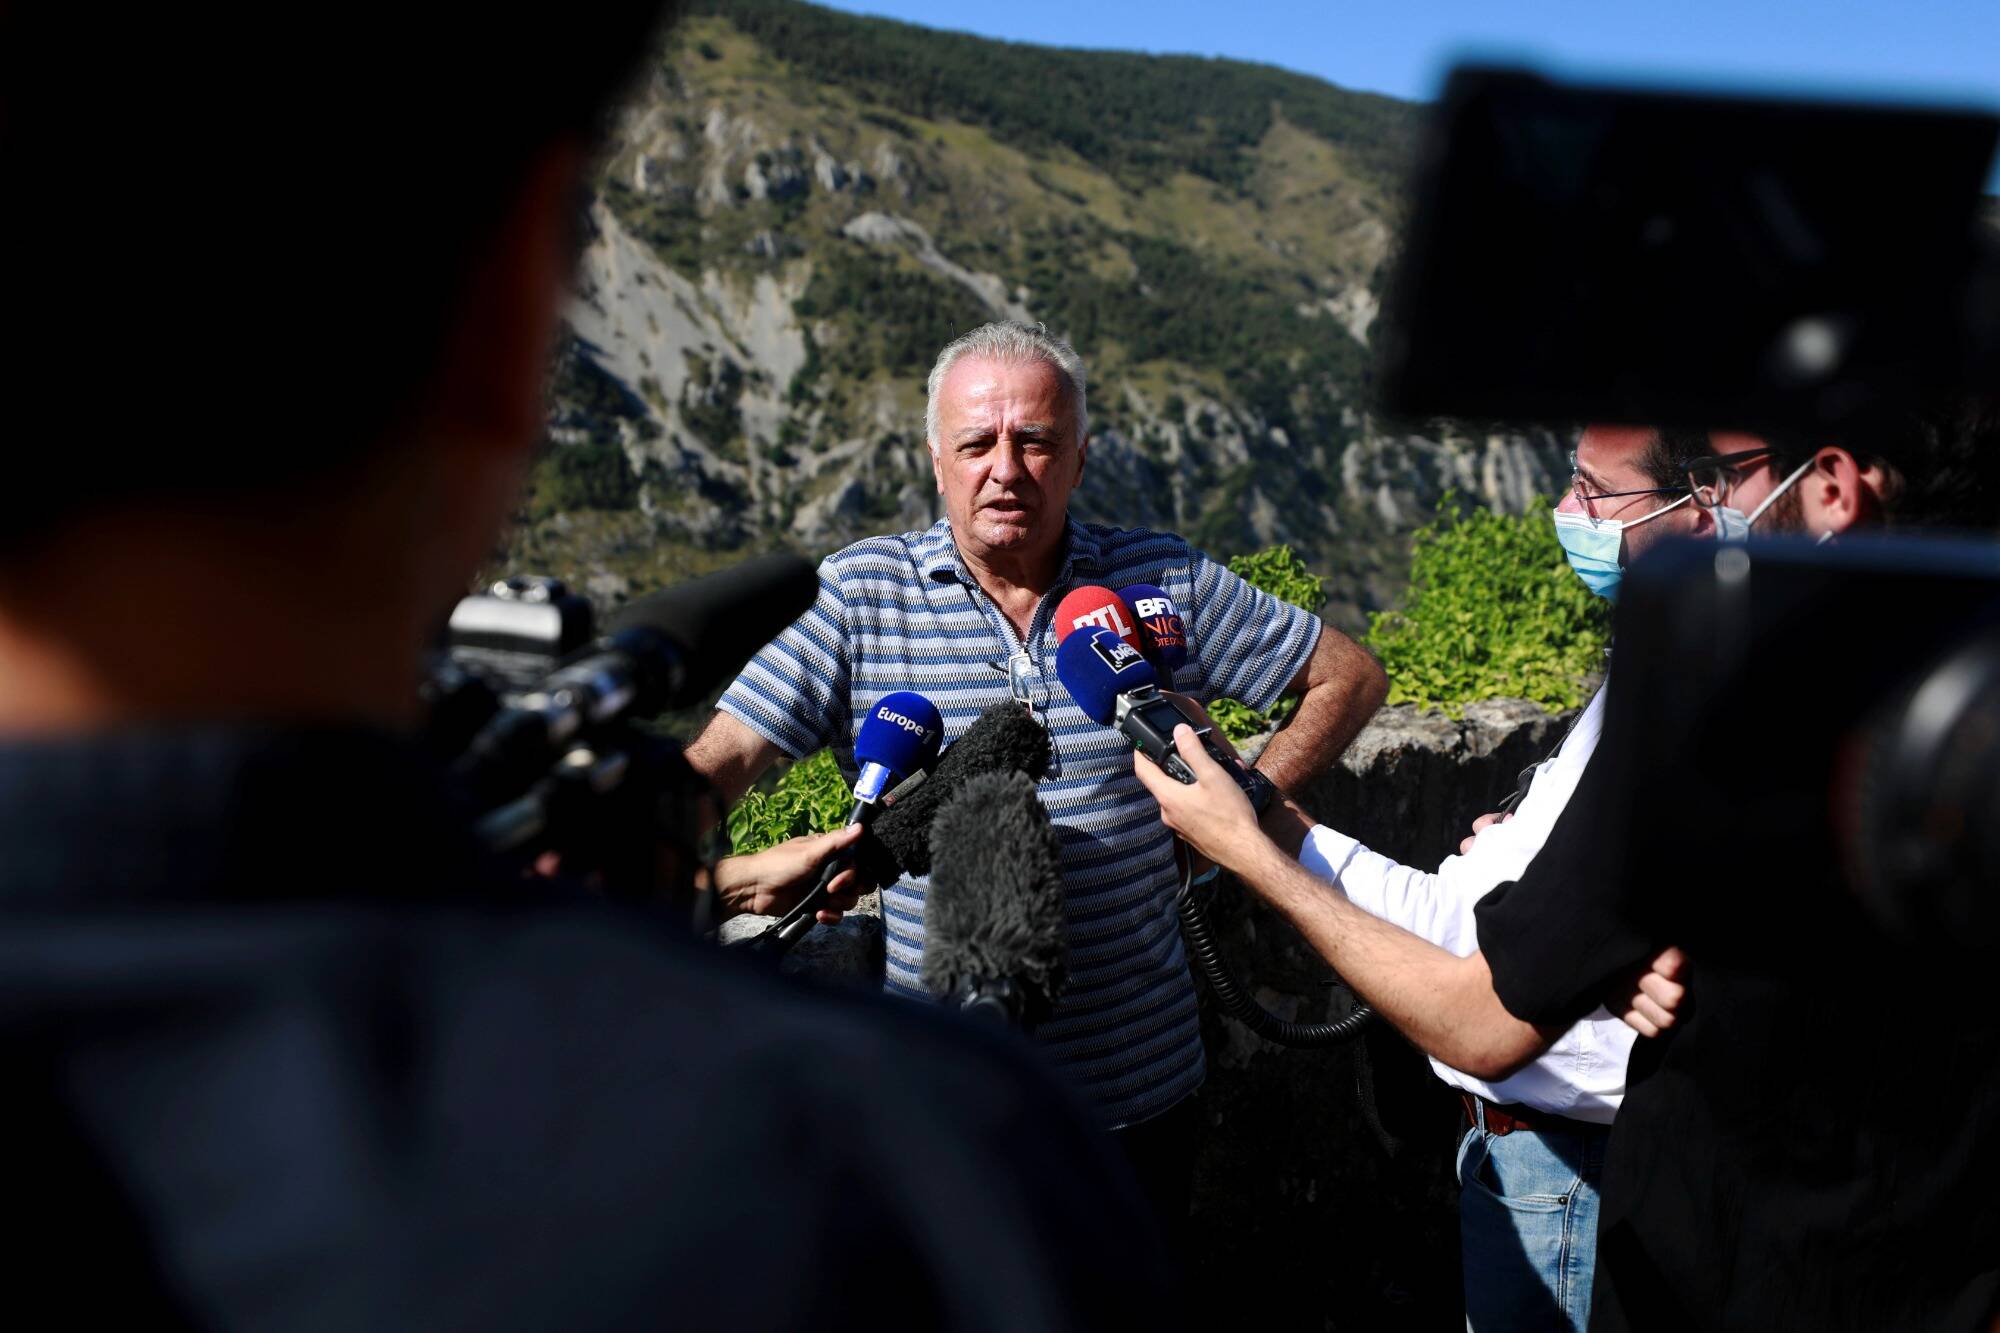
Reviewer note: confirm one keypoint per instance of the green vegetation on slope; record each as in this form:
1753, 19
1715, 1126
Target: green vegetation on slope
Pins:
1493, 612
1138, 117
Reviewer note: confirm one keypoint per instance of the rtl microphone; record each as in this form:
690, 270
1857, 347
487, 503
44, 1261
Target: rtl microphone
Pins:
1095, 606
898, 740
1115, 686
994, 928
1161, 631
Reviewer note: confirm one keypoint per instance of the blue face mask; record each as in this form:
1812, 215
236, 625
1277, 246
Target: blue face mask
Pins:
1733, 525
1592, 546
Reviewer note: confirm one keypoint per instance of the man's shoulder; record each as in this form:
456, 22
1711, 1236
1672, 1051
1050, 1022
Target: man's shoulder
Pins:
1122, 551
889, 553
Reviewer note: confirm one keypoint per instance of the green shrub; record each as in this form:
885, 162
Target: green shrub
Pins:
1236, 720
1279, 571
1493, 611
811, 797
592, 474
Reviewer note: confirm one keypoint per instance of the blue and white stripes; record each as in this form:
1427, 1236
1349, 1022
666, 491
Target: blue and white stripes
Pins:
901, 613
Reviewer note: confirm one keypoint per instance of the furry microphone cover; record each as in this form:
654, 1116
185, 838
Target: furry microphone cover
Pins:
995, 907
1004, 739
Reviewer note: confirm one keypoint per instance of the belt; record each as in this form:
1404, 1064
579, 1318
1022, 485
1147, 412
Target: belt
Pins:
1508, 1118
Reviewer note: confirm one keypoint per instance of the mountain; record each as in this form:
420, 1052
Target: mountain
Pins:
799, 207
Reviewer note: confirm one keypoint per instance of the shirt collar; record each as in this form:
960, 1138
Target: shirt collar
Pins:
937, 555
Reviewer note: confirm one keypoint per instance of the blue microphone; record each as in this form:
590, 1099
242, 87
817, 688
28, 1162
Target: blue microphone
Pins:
896, 746
900, 735
1098, 669
1162, 632
1115, 686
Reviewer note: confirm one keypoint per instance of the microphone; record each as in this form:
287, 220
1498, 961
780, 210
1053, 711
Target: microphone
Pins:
1003, 739
898, 740
1095, 605
1114, 685
708, 627
994, 926
1162, 634
665, 651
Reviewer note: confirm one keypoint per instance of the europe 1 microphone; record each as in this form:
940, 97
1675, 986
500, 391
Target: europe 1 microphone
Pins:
1115, 686
897, 744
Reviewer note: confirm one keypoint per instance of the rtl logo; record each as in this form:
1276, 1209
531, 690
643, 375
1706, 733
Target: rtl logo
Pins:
1105, 617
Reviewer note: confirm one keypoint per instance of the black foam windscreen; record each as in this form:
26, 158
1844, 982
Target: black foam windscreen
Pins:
994, 914
1004, 739
714, 624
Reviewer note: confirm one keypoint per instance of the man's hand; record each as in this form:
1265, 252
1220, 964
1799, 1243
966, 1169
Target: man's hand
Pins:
771, 882
1480, 824
1213, 816
1648, 1000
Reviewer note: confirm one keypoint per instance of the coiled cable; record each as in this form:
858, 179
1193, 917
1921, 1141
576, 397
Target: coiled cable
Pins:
1239, 1004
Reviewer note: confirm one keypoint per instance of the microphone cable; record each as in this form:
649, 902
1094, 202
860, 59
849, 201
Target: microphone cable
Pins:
1238, 1003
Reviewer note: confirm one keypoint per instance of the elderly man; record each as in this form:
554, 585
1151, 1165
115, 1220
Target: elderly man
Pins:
933, 611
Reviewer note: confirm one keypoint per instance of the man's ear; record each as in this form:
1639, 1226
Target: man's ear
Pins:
937, 468
489, 389
1837, 492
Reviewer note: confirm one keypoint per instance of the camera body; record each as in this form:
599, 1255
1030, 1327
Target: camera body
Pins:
518, 631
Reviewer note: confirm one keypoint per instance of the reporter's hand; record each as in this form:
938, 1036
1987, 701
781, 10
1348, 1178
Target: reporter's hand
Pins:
1213, 816
1649, 999
1199, 865
1480, 824
772, 882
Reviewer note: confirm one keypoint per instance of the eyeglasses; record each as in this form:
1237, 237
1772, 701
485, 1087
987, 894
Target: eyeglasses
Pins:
1711, 479
1588, 499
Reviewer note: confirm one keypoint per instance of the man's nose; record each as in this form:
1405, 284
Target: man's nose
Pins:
1007, 464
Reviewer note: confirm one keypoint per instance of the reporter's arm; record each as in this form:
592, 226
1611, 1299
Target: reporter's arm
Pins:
1443, 1003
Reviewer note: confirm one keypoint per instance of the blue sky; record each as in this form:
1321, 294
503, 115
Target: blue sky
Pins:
1927, 50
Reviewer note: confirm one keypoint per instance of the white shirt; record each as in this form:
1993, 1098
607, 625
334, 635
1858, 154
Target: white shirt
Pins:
1582, 1075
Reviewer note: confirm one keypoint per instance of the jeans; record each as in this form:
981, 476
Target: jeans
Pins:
1527, 1221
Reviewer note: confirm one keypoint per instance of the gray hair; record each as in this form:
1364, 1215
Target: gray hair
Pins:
1010, 341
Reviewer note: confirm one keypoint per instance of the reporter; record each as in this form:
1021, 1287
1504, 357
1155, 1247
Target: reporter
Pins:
1554, 945
284, 1050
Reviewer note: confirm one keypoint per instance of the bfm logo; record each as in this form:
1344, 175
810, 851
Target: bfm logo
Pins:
1161, 620
1105, 617
913, 727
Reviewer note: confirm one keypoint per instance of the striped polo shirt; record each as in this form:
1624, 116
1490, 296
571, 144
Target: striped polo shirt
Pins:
903, 613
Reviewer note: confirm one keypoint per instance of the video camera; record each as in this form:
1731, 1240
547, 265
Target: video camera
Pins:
537, 715
1784, 718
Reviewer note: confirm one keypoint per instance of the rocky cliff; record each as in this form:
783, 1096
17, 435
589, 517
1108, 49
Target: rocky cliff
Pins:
800, 207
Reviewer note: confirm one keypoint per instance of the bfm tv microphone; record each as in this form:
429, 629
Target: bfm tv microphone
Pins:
1162, 633
1095, 605
994, 927
898, 740
1115, 685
